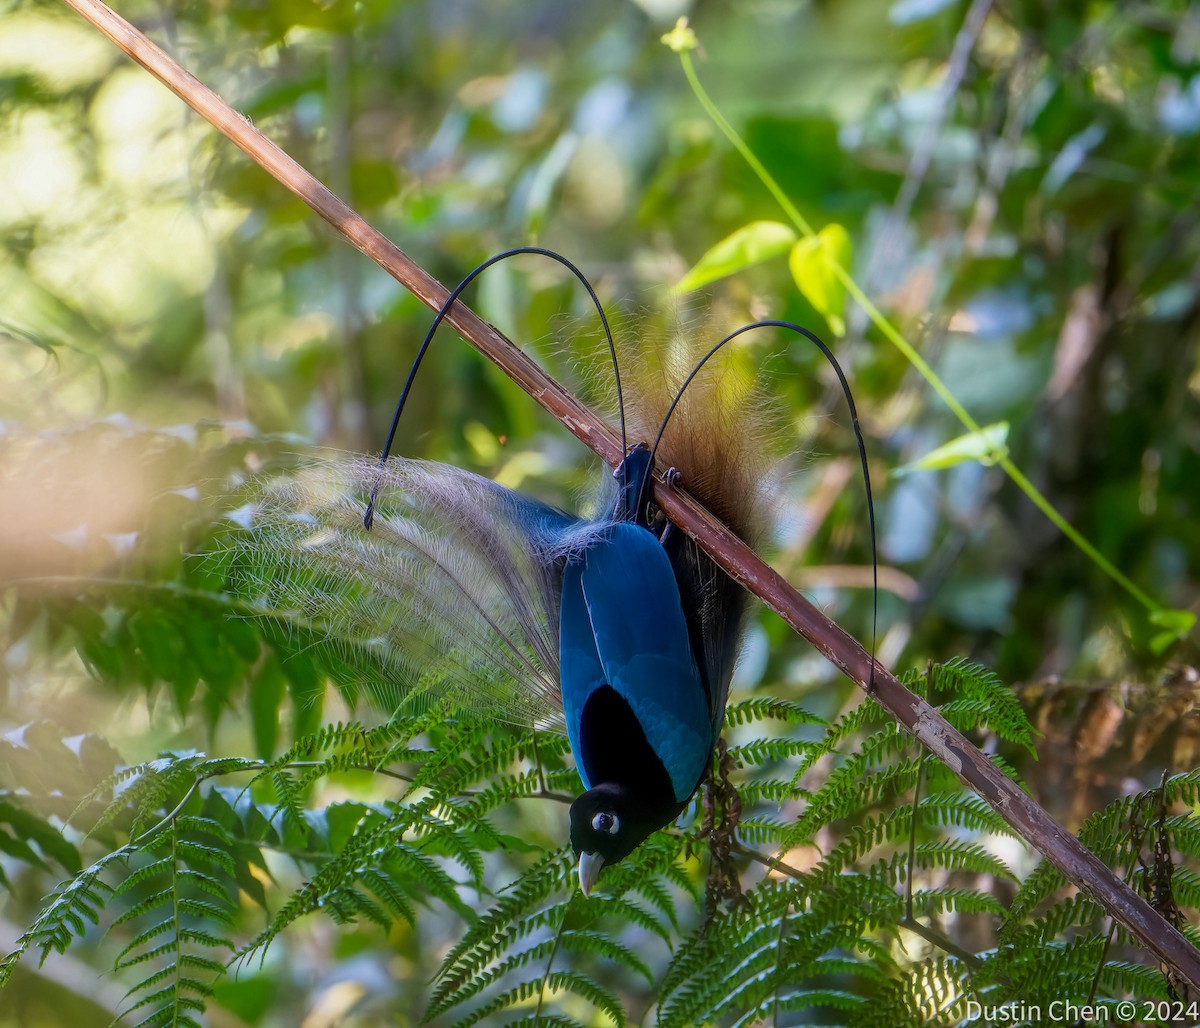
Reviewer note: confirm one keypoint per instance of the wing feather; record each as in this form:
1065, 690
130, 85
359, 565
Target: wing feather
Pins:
641, 640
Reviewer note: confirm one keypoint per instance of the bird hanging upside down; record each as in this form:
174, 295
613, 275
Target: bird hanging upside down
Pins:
620, 629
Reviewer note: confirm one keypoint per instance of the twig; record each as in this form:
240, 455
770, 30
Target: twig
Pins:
1020, 811
562, 924
947, 945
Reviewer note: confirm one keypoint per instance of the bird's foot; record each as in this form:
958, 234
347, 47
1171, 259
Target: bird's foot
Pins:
722, 812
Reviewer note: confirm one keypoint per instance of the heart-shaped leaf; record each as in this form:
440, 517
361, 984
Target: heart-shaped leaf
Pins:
811, 262
750, 244
986, 446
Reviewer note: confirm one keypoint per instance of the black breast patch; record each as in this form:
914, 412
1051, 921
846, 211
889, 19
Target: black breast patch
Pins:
615, 750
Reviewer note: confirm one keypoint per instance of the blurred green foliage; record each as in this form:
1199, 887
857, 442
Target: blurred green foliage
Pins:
1023, 213
1020, 200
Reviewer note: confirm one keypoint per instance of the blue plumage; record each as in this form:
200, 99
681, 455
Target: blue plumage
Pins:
638, 713
620, 630
636, 639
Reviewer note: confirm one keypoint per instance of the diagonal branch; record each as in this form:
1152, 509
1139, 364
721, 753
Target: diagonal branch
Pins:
1026, 817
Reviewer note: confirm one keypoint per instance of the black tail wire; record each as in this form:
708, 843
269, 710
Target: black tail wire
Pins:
858, 436
369, 514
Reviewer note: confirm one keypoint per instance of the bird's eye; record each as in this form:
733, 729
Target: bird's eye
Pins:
605, 822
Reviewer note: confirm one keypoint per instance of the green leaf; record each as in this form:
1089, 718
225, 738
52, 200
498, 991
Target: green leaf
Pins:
1176, 624
986, 446
265, 697
750, 244
811, 262
31, 828
250, 996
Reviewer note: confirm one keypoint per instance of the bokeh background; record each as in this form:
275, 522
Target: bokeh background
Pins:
1018, 180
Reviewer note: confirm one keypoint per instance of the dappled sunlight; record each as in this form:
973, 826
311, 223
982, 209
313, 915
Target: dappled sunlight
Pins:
136, 272
324, 828
75, 502
54, 48
40, 167
141, 132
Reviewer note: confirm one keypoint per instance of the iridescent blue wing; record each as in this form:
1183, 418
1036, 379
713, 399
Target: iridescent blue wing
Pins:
715, 606
580, 668
623, 625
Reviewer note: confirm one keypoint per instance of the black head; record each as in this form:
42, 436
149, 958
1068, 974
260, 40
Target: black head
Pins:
606, 826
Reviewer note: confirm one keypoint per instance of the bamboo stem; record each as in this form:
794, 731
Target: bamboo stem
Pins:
924, 723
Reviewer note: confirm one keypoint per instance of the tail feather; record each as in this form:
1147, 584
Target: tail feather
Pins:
454, 591
717, 437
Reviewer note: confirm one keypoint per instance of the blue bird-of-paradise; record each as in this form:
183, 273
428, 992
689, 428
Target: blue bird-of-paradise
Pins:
618, 629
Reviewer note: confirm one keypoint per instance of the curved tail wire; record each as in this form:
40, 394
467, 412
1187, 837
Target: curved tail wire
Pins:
369, 514
862, 449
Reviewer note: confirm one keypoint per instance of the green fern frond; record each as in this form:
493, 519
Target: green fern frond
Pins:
189, 885
1142, 980
1185, 887
981, 692
1039, 885
959, 855
421, 874
476, 984
1184, 833
865, 716
796, 1000
377, 842
927, 993
934, 902
660, 861
474, 752
577, 940
487, 938
769, 789
289, 794
528, 992
762, 829
768, 708
542, 1019
894, 826
71, 908
752, 962
851, 788
458, 837
1052, 970
603, 945
569, 933
1075, 911
768, 751
516, 785
624, 911
657, 894
1183, 788
964, 810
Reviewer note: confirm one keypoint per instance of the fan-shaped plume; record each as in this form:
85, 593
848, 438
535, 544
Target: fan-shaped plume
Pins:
454, 591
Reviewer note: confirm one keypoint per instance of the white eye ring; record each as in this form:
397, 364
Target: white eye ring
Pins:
606, 822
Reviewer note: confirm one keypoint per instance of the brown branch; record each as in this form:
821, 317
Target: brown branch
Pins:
1025, 816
